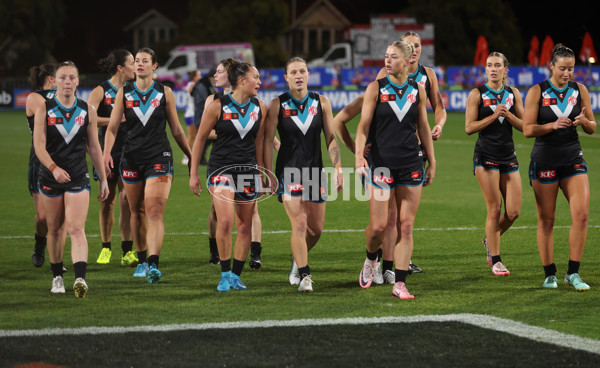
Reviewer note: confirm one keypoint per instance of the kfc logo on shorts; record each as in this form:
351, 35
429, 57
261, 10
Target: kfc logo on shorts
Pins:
415, 175
155, 102
547, 174
382, 179
248, 190
220, 178
159, 166
312, 110
128, 174
254, 116
80, 120
572, 101
295, 187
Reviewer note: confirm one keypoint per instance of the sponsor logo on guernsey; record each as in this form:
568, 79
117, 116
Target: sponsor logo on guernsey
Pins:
547, 174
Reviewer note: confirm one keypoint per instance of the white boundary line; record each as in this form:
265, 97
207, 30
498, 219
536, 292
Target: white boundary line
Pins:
8, 237
515, 328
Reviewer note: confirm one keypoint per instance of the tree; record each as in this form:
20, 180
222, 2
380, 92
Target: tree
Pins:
28, 30
458, 24
259, 22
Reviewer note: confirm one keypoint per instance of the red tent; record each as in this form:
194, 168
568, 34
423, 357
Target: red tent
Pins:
587, 49
534, 51
546, 55
482, 52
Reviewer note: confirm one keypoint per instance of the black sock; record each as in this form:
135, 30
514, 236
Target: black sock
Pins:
142, 256
40, 241
401, 275
153, 260
550, 270
80, 268
304, 271
106, 245
255, 248
212, 244
126, 246
379, 254
387, 265
225, 265
57, 269
372, 256
573, 267
496, 259
238, 267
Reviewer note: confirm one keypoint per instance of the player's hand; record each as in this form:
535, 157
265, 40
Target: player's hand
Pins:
195, 185
104, 191
436, 132
60, 175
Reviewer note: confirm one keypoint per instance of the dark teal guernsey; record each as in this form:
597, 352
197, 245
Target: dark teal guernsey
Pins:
561, 146
394, 144
495, 141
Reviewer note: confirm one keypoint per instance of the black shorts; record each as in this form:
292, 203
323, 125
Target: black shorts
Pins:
53, 189
385, 178
244, 180
548, 174
502, 167
33, 176
134, 172
309, 183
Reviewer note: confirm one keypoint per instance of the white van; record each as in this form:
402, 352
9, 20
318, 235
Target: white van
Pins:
187, 58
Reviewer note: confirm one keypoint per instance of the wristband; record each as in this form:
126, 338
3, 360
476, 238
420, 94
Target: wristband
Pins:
52, 167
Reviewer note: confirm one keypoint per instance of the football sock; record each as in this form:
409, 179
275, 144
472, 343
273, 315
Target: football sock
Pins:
212, 244
225, 265
80, 269
126, 246
142, 256
401, 275
153, 260
40, 242
496, 259
573, 267
304, 271
57, 269
238, 266
106, 245
387, 265
255, 247
379, 254
372, 256
550, 270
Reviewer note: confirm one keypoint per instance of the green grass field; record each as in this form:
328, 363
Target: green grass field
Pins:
449, 229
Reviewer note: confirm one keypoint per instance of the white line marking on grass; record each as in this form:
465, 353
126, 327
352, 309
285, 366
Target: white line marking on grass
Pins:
515, 328
327, 231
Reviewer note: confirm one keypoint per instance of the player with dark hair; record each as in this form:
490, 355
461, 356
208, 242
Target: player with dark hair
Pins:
147, 159
233, 177
120, 67
43, 87
554, 109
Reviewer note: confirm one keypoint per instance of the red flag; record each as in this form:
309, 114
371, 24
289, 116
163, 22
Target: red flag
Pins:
482, 52
546, 55
534, 51
587, 49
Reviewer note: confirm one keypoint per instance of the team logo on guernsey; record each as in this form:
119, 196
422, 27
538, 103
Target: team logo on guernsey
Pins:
67, 128
243, 124
143, 109
560, 107
400, 106
302, 119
